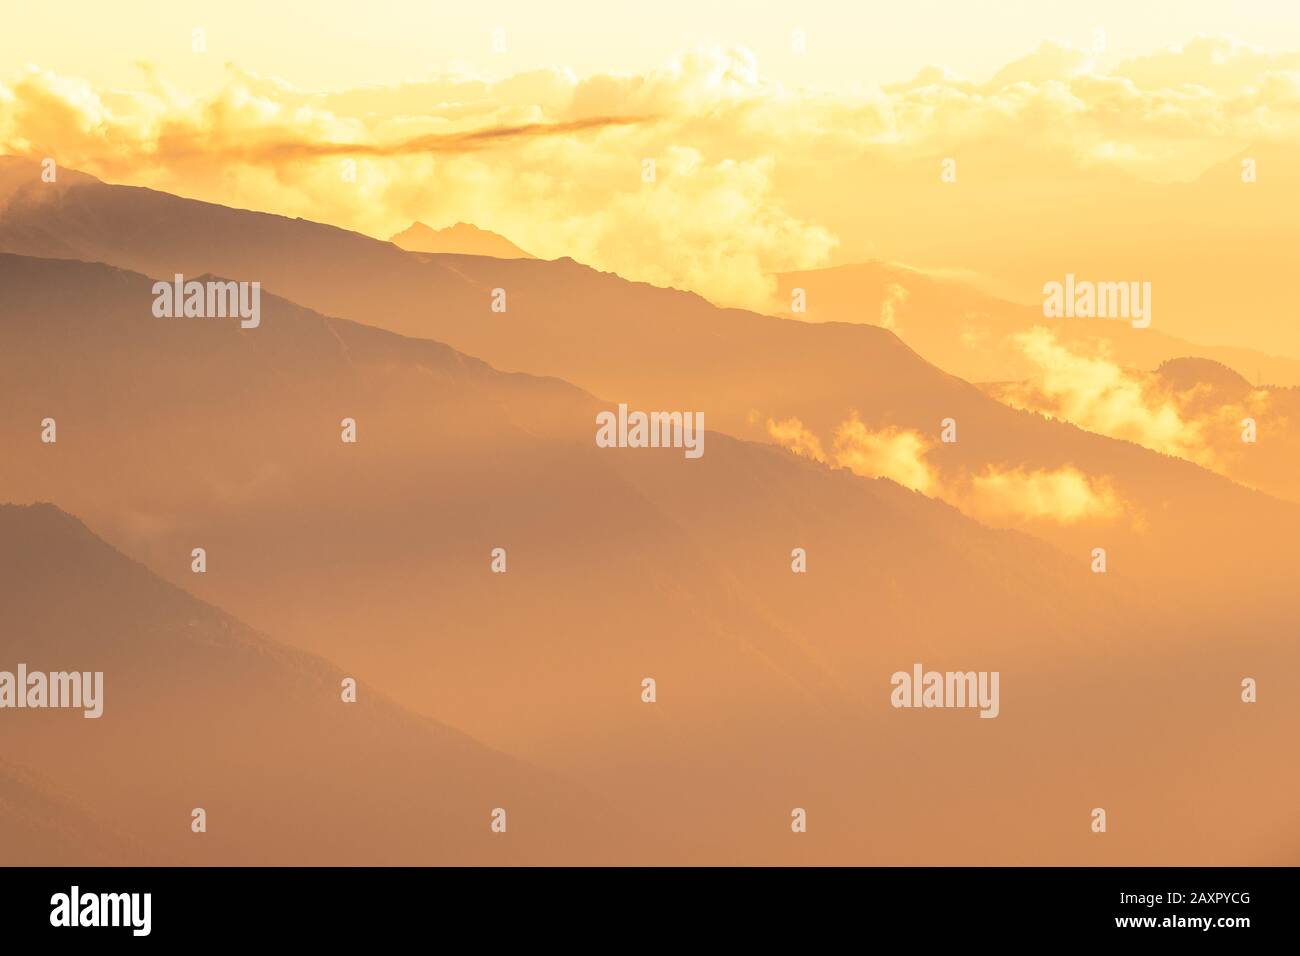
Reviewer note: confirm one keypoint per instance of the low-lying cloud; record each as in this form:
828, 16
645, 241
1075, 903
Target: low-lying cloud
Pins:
1194, 409
1200, 422
1064, 495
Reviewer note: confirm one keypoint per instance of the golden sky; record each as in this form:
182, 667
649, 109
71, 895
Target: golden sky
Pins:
336, 45
766, 159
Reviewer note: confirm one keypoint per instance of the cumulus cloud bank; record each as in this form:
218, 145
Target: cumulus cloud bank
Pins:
560, 163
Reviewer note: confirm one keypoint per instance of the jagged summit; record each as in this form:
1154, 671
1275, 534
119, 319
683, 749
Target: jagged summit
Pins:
463, 238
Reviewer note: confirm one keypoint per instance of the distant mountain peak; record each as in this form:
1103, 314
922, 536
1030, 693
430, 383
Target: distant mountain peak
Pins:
463, 238
1185, 373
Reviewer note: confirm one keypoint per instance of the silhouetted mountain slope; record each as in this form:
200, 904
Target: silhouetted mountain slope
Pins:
1188, 373
624, 564
972, 334
1174, 524
200, 429
199, 711
40, 828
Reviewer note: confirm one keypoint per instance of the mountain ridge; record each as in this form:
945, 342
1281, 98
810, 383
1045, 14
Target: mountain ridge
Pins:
184, 678
462, 237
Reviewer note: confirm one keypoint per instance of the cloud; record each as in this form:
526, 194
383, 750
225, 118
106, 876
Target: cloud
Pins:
895, 296
997, 495
1051, 61
898, 454
1189, 408
1064, 496
1096, 394
1197, 420
894, 453
284, 150
589, 168
792, 434
750, 178
1217, 63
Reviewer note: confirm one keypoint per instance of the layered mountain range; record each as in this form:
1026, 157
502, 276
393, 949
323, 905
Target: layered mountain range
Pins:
474, 432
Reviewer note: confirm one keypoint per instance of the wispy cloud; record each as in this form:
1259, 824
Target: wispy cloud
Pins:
999, 495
